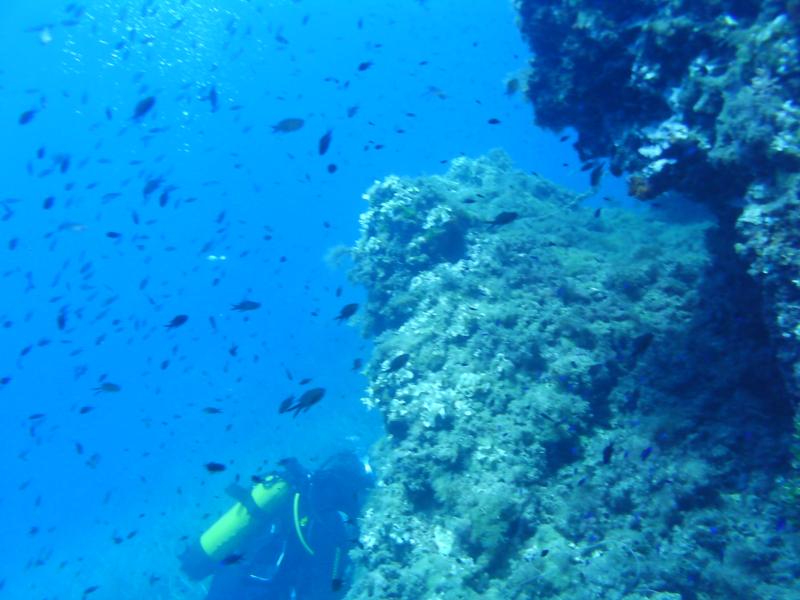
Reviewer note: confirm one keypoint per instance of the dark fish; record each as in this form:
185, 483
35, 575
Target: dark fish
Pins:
152, 185
608, 452
215, 467
27, 116
504, 218
325, 142
288, 125
512, 86
596, 175
307, 400
398, 362
212, 410
177, 321
107, 388
493, 121
351, 111
347, 311
780, 524
286, 404
213, 98
336, 584
143, 107
332, 168
356, 364
641, 344
304, 381
91, 589
113, 234
85, 409
245, 305
646, 452
364, 65
232, 559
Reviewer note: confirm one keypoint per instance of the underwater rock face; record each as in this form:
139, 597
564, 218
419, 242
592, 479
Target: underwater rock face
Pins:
576, 406
695, 97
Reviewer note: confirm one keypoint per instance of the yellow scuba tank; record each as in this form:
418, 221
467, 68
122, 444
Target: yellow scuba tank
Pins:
232, 529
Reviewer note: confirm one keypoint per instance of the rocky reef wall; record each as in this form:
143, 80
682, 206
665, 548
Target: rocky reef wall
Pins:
577, 405
695, 97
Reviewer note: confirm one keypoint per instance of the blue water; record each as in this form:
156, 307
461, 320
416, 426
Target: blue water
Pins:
74, 482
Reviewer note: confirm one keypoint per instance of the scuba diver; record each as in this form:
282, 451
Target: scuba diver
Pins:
286, 538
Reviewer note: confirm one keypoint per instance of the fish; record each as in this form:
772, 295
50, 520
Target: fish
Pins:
246, 305
325, 142
286, 404
646, 452
213, 98
232, 559
212, 410
288, 125
596, 175
177, 321
151, 186
493, 121
347, 311
640, 344
332, 168
107, 388
143, 107
304, 381
27, 116
356, 364
504, 218
214, 467
306, 401
397, 363
512, 86
608, 452
364, 65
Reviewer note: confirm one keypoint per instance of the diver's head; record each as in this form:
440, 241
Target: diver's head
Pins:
341, 483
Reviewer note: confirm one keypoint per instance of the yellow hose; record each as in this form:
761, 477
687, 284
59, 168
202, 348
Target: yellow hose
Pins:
297, 523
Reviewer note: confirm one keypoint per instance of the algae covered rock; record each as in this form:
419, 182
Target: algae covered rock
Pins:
542, 381
695, 97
